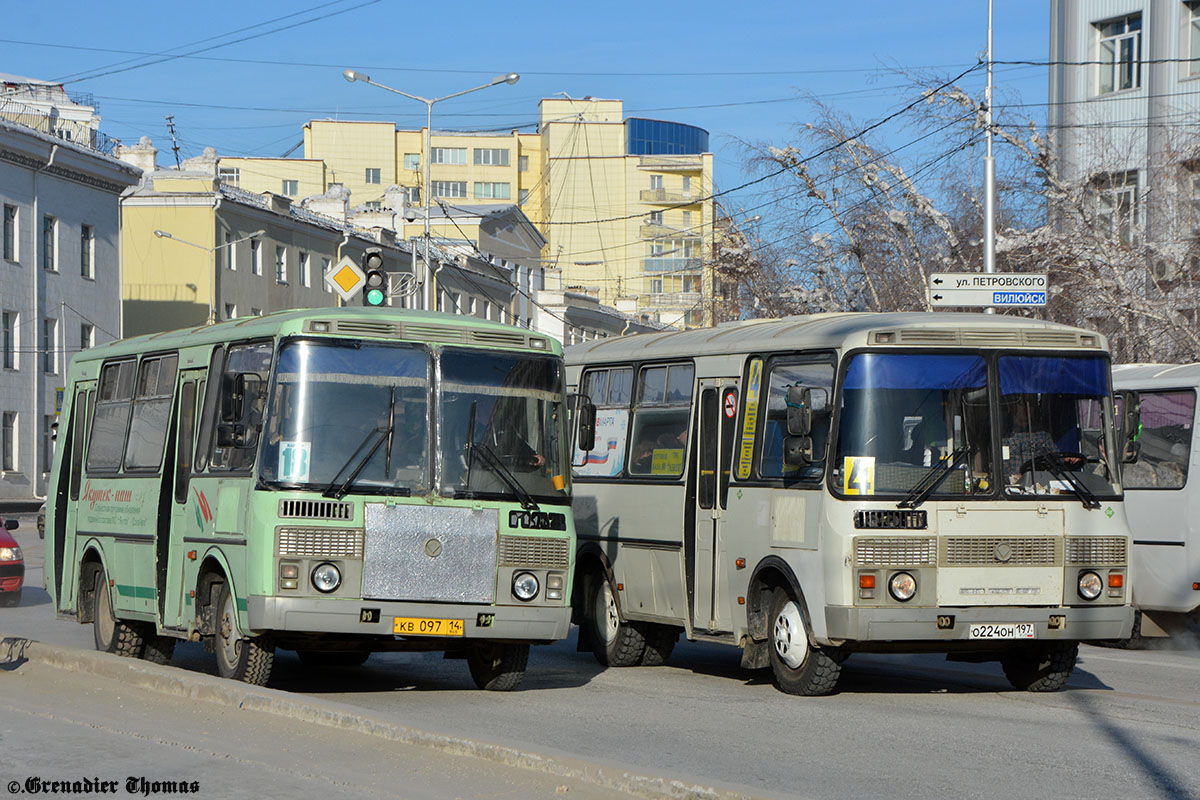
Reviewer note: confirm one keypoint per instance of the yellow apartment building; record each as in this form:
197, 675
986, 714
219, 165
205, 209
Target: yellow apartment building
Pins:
625, 205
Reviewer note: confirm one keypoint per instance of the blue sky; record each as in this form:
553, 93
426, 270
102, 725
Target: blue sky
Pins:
735, 69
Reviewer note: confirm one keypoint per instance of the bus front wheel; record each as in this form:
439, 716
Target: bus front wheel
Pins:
245, 659
1045, 668
615, 643
111, 634
498, 667
799, 666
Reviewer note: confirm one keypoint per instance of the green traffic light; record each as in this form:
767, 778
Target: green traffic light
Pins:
374, 297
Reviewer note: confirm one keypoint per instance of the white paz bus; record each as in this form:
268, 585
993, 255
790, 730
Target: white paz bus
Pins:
812, 487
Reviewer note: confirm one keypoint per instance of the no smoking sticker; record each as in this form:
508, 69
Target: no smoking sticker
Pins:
730, 405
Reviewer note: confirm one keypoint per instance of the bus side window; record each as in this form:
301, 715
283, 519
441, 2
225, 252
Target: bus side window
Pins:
151, 413
208, 413
242, 393
816, 376
111, 418
660, 420
81, 418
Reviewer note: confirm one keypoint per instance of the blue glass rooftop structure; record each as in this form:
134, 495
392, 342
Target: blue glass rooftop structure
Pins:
652, 137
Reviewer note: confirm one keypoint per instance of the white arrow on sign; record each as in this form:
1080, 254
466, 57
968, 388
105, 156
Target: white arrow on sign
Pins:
988, 289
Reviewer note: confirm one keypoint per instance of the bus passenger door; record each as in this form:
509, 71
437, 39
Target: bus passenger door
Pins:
170, 547
73, 444
708, 568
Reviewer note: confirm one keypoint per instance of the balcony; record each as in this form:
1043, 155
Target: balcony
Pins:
677, 300
670, 264
664, 198
671, 163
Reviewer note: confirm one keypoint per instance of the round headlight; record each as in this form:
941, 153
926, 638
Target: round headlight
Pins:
326, 578
902, 586
1090, 586
525, 586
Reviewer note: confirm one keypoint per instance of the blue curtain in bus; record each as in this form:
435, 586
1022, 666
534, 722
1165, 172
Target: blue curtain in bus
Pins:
899, 371
1086, 376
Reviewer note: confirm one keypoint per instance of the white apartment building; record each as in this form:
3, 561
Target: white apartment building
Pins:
60, 285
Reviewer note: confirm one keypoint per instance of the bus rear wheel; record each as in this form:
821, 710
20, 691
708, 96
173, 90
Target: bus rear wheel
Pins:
1045, 668
615, 643
245, 659
111, 634
800, 667
498, 667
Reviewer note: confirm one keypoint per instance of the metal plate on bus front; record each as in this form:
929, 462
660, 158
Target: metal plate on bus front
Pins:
430, 553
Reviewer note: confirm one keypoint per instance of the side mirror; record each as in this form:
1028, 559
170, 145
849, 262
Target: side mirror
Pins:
585, 422
799, 410
233, 406
797, 450
11, 524
1129, 424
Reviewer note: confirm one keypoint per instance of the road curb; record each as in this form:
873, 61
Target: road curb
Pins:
206, 688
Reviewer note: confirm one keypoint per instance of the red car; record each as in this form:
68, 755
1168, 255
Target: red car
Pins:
12, 565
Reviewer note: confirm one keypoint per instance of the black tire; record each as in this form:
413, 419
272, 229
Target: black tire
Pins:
498, 667
239, 658
1135, 641
110, 634
660, 643
800, 667
158, 649
333, 658
615, 643
10, 599
1044, 668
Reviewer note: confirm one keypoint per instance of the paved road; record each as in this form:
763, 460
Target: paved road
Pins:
1128, 724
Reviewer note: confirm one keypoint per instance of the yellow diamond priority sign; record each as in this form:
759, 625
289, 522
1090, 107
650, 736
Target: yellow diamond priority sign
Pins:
346, 278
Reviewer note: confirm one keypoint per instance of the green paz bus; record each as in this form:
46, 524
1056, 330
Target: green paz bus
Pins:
334, 482
813, 487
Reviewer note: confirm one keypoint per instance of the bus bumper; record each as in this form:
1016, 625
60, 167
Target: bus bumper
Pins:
845, 624
375, 618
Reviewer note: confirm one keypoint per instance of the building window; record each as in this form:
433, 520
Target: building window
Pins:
373, 205
491, 191
325, 271
230, 250
656, 181
1193, 35
491, 157
656, 285
656, 218
8, 321
49, 231
1117, 201
10, 233
412, 161
291, 188
449, 155
87, 336
47, 441
231, 176
256, 257
522, 163
87, 250
373, 175
687, 220
255, 312
522, 196
305, 278
687, 184
449, 188
9, 445
230, 311
50, 346
1120, 53
281, 264
412, 195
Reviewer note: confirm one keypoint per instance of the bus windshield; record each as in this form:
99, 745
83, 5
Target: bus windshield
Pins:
335, 402
904, 415
500, 421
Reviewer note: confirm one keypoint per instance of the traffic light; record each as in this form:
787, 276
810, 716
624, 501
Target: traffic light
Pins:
375, 287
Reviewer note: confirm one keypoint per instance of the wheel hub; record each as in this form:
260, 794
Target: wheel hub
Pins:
606, 613
788, 636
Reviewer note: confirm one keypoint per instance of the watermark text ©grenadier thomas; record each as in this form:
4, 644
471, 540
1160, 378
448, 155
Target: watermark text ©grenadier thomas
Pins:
146, 787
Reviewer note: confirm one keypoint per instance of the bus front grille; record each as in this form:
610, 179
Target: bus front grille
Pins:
316, 509
895, 551
1097, 550
319, 543
534, 551
975, 551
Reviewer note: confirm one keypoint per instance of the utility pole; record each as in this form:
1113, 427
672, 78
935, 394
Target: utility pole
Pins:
989, 171
170, 118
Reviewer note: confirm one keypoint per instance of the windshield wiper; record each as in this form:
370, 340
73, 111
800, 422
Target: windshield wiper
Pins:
493, 460
932, 479
1055, 467
381, 434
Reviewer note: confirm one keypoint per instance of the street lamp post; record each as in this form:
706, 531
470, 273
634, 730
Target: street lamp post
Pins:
212, 297
352, 76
